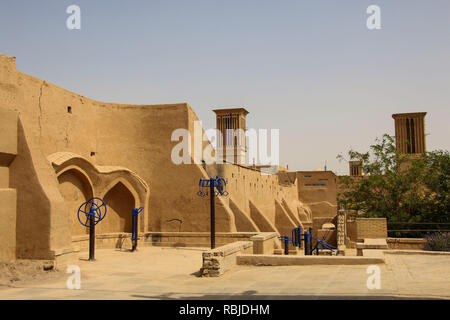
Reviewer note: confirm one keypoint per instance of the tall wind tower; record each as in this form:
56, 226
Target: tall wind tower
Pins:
410, 132
231, 123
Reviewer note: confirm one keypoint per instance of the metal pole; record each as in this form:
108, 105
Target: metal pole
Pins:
91, 238
299, 236
310, 241
135, 231
307, 243
213, 224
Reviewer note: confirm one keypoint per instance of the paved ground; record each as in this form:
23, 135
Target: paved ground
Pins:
171, 273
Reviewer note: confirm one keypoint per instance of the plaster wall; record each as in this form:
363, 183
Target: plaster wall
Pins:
317, 189
55, 120
8, 195
71, 148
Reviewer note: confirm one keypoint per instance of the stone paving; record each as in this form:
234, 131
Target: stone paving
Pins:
171, 273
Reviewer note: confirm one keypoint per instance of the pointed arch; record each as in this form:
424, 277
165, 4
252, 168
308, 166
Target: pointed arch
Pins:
129, 187
76, 188
119, 202
82, 174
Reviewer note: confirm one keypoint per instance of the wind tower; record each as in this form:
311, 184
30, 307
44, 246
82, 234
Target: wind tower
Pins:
231, 123
410, 132
355, 168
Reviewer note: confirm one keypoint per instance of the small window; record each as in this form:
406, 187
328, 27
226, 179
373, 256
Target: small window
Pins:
69, 109
92, 153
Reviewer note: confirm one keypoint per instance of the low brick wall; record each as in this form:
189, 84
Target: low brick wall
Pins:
350, 240
104, 240
271, 260
222, 259
406, 243
265, 243
373, 228
193, 239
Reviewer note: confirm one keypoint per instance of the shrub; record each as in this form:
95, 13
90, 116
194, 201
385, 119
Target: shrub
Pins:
438, 242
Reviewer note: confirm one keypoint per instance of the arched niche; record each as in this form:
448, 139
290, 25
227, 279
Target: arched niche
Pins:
120, 202
76, 188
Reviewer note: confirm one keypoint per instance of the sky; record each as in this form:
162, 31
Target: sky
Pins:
311, 69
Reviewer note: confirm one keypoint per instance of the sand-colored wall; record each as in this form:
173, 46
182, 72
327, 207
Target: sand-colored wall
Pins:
8, 195
260, 201
71, 148
375, 228
52, 119
317, 189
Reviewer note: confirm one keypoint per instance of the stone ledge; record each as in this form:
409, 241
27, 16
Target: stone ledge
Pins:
406, 243
420, 252
263, 242
229, 249
272, 260
118, 235
372, 244
264, 236
222, 259
245, 235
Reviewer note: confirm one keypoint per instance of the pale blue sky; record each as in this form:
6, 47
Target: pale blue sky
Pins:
309, 68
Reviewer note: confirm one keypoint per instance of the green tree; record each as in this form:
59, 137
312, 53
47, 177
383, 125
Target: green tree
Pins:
399, 187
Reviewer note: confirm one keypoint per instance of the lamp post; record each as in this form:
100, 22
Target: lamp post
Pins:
212, 184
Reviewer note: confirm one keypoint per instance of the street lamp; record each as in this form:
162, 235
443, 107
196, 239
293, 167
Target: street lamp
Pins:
212, 184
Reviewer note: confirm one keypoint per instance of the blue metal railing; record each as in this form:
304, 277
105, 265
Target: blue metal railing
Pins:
297, 237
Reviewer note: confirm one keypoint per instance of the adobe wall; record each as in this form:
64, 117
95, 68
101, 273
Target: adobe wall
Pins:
317, 189
52, 119
259, 201
374, 228
8, 195
100, 142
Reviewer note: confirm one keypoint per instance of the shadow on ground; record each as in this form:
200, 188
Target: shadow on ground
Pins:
252, 295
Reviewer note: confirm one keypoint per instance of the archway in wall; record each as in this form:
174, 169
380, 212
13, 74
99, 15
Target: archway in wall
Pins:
75, 189
120, 203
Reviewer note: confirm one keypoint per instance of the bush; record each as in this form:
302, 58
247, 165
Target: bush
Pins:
438, 242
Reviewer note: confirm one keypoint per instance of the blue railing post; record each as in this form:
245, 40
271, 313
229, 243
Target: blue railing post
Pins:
286, 246
310, 240
134, 231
